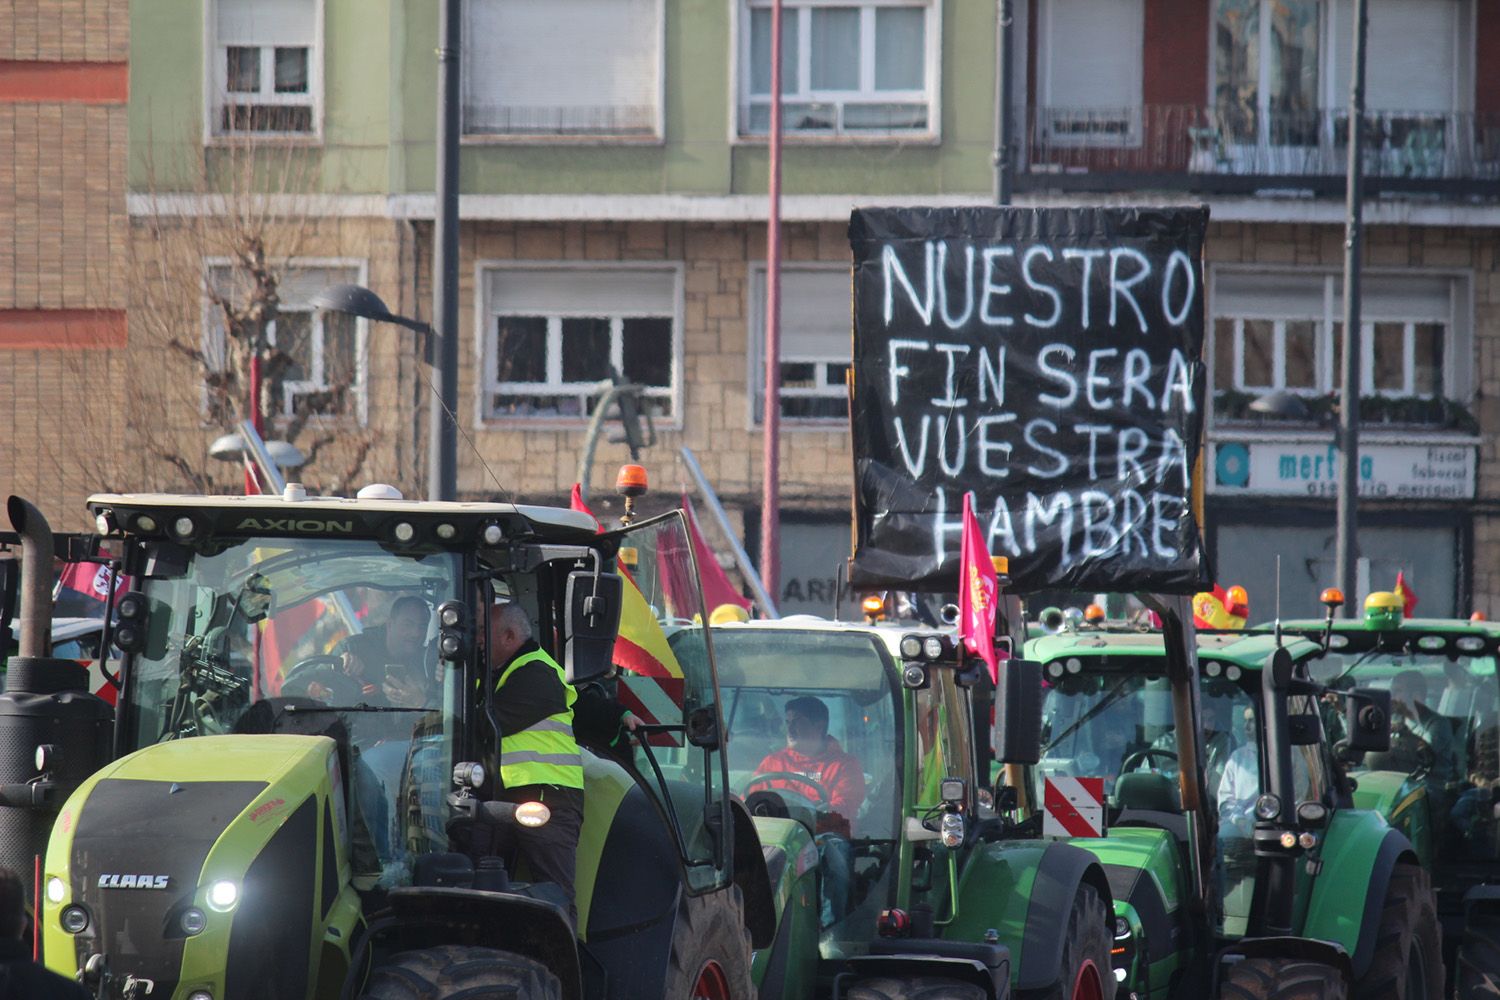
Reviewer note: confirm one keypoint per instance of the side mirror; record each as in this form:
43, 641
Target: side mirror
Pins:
593, 602
1367, 720
703, 728
1018, 712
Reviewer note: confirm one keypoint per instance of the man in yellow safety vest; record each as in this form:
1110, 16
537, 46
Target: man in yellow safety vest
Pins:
539, 756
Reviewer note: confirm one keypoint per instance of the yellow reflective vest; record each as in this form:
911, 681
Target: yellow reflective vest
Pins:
546, 752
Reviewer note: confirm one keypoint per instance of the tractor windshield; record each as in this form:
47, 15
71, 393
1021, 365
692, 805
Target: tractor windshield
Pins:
1445, 736
310, 636
813, 736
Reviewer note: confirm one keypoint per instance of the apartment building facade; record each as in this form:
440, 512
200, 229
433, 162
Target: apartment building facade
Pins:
613, 173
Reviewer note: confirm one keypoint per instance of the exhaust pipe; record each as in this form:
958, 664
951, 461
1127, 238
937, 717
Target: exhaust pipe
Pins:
36, 576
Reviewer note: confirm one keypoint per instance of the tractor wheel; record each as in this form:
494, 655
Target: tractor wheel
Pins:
1279, 979
451, 971
1479, 960
710, 949
1086, 970
1408, 962
914, 988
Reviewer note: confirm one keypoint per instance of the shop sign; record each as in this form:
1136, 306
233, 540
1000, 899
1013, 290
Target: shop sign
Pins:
1386, 471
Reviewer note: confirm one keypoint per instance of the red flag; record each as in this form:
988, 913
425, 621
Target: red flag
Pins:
978, 592
1407, 595
717, 590
576, 502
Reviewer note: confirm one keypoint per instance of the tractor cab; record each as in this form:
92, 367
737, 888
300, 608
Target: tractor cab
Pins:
305, 738
1109, 715
1439, 781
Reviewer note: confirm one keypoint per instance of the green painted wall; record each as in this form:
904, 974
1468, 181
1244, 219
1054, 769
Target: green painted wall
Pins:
380, 116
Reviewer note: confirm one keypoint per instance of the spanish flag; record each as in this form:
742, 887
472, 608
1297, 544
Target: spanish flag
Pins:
1407, 595
1220, 609
656, 691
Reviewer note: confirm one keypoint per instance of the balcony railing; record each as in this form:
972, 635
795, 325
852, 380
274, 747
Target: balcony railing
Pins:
1238, 150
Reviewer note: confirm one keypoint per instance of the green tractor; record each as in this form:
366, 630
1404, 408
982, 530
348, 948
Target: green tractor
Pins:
1241, 863
253, 821
1439, 782
893, 881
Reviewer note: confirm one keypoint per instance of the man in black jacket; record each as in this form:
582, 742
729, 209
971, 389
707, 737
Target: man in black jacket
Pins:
20, 977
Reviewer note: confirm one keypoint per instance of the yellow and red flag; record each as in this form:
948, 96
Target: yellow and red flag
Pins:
1220, 608
1408, 596
641, 648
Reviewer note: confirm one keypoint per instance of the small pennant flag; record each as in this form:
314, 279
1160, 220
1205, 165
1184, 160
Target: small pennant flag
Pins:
1407, 595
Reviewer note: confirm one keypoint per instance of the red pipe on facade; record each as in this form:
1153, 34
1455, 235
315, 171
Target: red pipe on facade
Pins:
770, 512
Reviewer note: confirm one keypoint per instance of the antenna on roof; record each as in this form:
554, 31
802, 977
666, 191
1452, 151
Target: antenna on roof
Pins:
1278, 601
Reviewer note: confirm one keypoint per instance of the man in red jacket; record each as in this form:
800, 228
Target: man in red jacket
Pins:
838, 793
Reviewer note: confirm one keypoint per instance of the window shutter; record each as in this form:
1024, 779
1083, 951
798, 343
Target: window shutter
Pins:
1410, 60
816, 321
1269, 296
267, 22
1093, 53
579, 292
562, 66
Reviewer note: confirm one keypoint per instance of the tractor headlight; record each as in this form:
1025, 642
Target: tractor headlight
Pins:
74, 919
533, 814
223, 894
193, 921
468, 774
951, 829
932, 647
200, 995
56, 890
911, 647
1122, 927
1267, 807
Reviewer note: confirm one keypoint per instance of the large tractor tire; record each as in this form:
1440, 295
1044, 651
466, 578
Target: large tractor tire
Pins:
914, 988
1479, 961
1280, 979
1408, 962
710, 957
1086, 969
451, 972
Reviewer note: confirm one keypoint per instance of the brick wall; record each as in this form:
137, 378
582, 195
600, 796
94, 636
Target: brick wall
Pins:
63, 80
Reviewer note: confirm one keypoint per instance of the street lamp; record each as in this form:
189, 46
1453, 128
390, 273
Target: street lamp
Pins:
231, 448
442, 434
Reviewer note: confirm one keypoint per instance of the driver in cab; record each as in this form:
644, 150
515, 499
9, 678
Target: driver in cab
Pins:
811, 753
393, 662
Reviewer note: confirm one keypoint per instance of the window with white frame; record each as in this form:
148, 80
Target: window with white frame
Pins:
324, 366
846, 68
562, 67
1284, 331
816, 346
553, 334
1090, 71
265, 67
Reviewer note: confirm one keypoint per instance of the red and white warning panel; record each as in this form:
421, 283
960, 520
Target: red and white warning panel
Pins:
1073, 807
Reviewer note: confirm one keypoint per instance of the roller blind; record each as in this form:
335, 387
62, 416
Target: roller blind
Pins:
1412, 56
267, 22
815, 312
561, 65
579, 292
1093, 53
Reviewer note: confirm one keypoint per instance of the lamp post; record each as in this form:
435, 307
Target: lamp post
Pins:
770, 504
360, 302
1348, 439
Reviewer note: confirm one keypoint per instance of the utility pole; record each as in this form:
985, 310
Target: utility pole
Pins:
442, 434
770, 504
1004, 113
1348, 432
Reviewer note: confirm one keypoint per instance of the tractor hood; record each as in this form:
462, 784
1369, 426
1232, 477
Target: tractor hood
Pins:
182, 856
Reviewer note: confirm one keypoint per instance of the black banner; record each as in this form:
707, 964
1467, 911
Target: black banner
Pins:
1049, 360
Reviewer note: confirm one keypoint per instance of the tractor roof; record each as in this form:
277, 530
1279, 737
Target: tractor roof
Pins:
1248, 650
888, 633
249, 515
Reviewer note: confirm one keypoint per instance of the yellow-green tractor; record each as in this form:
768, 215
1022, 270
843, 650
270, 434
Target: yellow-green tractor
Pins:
252, 820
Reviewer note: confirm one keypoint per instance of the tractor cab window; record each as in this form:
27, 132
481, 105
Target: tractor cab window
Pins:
811, 717
312, 636
1445, 738
944, 735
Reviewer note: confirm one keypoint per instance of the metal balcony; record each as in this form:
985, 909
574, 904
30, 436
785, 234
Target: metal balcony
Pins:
1239, 150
